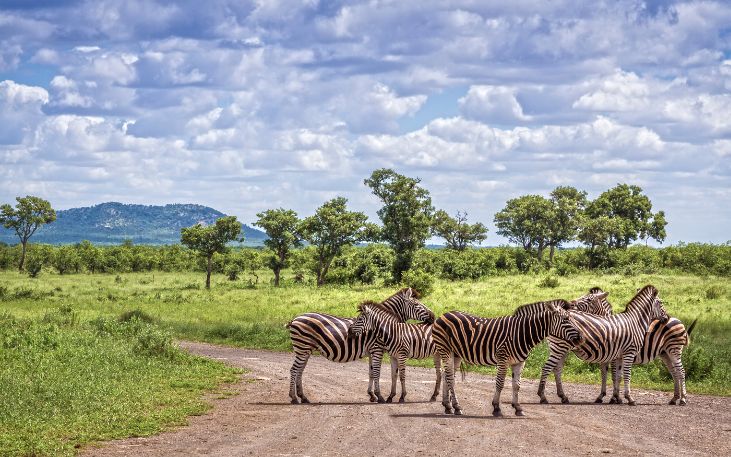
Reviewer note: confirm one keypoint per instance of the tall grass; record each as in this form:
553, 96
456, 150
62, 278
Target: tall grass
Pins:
66, 383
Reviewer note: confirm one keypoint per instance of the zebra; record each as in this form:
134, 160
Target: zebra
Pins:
616, 338
500, 341
329, 335
401, 340
665, 341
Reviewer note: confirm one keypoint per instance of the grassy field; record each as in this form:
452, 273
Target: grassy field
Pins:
66, 383
236, 313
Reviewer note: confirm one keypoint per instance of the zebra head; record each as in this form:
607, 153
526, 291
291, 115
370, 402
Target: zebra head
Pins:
562, 325
595, 302
364, 323
405, 304
647, 298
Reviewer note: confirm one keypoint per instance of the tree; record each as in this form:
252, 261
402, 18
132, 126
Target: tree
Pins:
332, 228
631, 213
211, 240
406, 215
566, 215
281, 227
526, 220
29, 214
456, 231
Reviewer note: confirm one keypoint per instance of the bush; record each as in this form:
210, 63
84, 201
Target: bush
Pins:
714, 292
419, 280
34, 265
136, 314
550, 282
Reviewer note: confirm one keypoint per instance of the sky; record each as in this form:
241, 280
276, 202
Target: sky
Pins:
246, 106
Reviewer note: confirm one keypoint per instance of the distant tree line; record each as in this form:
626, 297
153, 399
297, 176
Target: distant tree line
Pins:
612, 222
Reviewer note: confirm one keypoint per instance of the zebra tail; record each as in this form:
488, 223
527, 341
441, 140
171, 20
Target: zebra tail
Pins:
690, 329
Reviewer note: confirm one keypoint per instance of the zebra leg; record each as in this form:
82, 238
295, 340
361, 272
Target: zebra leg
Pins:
516, 370
375, 376
671, 368
402, 376
438, 369
547, 369
499, 383
295, 377
448, 374
603, 393
616, 367
557, 373
627, 372
371, 397
394, 374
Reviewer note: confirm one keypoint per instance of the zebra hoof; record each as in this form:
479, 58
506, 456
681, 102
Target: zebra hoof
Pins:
457, 411
497, 413
599, 400
671, 402
294, 401
381, 400
519, 412
389, 400
631, 403
682, 402
544, 401
564, 400
305, 400
401, 400
433, 398
447, 410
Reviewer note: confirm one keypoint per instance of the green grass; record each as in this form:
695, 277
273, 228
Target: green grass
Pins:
66, 383
238, 314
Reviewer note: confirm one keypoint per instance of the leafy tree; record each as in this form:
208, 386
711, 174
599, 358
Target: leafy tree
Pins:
456, 231
526, 220
91, 256
631, 213
211, 240
566, 216
332, 228
66, 259
29, 213
281, 227
406, 215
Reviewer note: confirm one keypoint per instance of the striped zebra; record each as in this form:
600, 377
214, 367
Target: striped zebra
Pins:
329, 335
401, 340
665, 341
616, 338
502, 341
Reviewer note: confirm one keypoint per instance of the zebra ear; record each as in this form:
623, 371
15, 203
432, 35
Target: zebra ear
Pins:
409, 292
602, 295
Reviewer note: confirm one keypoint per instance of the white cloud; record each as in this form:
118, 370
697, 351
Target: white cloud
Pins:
492, 104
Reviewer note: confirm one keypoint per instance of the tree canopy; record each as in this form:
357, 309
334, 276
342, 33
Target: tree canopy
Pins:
457, 233
332, 228
211, 239
282, 227
29, 213
526, 220
406, 215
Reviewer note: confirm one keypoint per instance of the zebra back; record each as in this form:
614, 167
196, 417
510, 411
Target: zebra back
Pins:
595, 302
413, 339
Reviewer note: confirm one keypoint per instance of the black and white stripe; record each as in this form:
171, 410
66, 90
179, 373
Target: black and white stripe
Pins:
401, 340
329, 335
616, 338
502, 341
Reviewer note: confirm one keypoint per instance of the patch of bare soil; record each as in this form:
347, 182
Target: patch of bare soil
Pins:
260, 420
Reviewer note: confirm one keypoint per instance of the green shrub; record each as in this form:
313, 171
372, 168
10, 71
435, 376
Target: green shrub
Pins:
714, 292
419, 280
136, 314
550, 282
698, 362
34, 265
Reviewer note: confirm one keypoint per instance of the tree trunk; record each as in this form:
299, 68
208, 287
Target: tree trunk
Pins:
22, 256
208, 272
550, 255
276, 276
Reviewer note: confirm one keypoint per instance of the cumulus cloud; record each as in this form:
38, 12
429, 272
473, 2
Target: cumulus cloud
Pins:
222, 102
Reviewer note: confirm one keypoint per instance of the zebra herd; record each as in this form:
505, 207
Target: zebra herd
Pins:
587, 326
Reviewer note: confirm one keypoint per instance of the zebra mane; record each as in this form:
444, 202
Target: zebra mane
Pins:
641, 296
414, 293
377, 305
539, 307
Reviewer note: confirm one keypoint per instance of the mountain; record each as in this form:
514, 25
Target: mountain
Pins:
112, 223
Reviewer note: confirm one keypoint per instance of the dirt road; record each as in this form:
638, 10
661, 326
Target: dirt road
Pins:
261, 421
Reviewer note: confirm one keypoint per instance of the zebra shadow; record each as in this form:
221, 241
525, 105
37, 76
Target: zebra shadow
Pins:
587, 403
324, 403
452, 417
